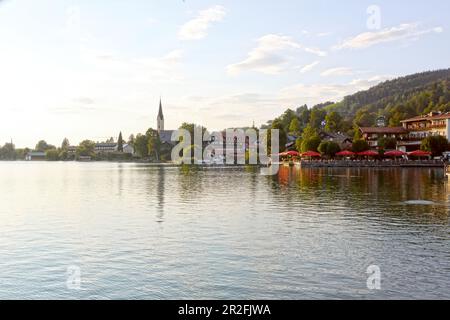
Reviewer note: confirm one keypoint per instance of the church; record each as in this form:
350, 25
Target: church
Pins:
164, 135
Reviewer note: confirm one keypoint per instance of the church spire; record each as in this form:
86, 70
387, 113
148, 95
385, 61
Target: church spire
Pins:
160, 119
160, 113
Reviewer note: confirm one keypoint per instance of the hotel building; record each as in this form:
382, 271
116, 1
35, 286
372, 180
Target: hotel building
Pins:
373, 134
421, 127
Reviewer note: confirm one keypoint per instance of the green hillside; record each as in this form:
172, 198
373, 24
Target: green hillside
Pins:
395, 99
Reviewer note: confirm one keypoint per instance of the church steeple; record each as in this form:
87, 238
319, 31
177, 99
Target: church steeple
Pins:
160, 119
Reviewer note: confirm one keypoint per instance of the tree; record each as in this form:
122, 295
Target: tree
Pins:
435, 144
298, 144
43, 146
333, 122
141, 145
358, 135
387, 143
21, 153
120, 143
360, 146
52, 155
65, 144
310, 144
329, 148
277, 125
153, 144
317, 117
86, 149
364, 118
294, 127
309, 132
286, 119
131, 140
8, 152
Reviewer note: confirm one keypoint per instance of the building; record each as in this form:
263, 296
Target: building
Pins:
105, 147
112, 147
71, 150
381, 121
35, 156
421, 127
164, 135
373, 134
344, 141
128, 149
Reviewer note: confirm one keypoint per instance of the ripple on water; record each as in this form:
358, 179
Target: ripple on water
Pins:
138, 231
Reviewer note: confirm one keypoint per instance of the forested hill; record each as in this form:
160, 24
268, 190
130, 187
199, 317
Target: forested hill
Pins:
396, 100
399, 98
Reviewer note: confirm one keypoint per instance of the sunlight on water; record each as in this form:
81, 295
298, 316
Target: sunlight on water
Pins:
138, 231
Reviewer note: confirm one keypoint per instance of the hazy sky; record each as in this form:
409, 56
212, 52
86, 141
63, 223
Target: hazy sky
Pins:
88, 69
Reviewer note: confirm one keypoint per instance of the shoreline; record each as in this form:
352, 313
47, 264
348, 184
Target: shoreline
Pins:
301, 164
367, 164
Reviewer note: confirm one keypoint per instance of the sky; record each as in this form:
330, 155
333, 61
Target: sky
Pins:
86, 69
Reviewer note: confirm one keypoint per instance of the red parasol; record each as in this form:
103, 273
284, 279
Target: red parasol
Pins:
419, 153
395, 153
345, 153
311, 154
292, 153
368, 153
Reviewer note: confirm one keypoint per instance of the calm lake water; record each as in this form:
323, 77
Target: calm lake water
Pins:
144, 232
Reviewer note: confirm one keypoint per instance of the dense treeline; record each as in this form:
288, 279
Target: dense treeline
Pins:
398, 99
395, 100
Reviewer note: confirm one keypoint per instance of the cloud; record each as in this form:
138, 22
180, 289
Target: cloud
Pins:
341, 71
407, 31
317, 93
141, 69
197, 28
316, 51
271, 56
309, 67
84, 100
320, 34
236, 110
324, 34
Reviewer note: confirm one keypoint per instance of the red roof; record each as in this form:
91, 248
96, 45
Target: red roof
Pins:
383, 130
431, 116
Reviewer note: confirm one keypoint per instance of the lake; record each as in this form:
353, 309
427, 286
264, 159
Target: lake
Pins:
135, 231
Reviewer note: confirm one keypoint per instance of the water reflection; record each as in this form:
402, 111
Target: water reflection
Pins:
160, 192
152, 232
420, 195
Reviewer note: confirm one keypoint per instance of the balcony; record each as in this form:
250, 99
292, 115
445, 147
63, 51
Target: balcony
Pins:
427, 128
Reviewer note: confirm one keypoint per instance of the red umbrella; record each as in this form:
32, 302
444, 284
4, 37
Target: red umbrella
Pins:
292, 153
345, 153
311, 154
368, 153
419, 153
395, 153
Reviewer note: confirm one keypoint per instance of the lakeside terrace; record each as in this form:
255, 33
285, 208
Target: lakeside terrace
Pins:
368, 164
